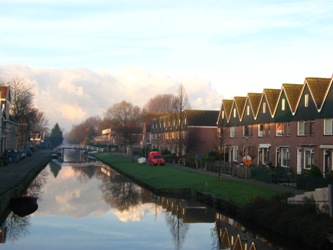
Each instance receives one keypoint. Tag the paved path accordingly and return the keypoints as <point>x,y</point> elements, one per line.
<point>16,173</point>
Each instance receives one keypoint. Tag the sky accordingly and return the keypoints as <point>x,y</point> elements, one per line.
<point>83,56</point>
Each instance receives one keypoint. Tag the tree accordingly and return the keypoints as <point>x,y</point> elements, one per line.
<point>85,132</point>
<point>126,120</point>
<point>56,137</point>
<point>180,104</point>
<point>160,104</point>
<point>21,106</point>
<point>28,117</point>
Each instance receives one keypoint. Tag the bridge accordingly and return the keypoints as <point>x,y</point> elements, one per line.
<point>78,146</point>
<point>76,164</point>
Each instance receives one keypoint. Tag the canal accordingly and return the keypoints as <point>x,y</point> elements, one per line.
<point>94,207</point>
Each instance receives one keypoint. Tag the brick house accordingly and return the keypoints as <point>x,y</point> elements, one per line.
<point>289,127</point>
<point>8,129</point>
<point>196,134</point>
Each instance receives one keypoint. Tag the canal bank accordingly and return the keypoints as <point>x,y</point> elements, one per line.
<point>239,197</point>
<point>16,177</point>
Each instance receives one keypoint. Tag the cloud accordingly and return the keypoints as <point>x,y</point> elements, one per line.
<point>68,96</point>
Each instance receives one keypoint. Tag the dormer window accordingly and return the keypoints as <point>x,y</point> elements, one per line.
<point>234,112</point>
<point>306,100</point>
<point>264,108</point>
<point>283,104</point>
<point>247,110</point>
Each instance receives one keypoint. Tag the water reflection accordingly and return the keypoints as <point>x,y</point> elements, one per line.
<point>96,207</point>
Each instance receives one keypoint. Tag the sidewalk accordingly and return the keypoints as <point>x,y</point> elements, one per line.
<point>15,174</point>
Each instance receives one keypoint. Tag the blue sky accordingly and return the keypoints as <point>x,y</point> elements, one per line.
<point>227,47</point>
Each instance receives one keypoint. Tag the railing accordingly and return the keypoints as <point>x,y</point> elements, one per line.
<point>78,146</point>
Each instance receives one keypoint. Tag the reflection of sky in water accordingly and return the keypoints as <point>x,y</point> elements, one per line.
<point>72,214</point>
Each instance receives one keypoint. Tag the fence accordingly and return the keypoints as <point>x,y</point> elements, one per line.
<point>309,183</point>
<point>273,175</point>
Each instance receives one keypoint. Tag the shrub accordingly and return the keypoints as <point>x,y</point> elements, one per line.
<point>297,221</point>
<point>314,171</point>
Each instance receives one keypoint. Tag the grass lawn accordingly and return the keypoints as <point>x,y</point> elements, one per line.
<point>167,177</point>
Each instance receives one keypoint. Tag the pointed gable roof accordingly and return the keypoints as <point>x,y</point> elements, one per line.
<point>254,99</point>
<point>272,96</point>
<point>292,92</point>
<point>226,107</point>
<point>240,104</point>
<point>318,88</point>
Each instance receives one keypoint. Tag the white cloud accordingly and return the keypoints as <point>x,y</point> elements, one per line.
<point>69,96</point>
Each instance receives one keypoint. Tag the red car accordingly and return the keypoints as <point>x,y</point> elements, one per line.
<point>155,158</point>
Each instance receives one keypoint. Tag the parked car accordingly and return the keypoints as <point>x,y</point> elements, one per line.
<point>155,158</point>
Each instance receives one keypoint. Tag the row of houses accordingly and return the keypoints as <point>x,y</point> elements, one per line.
<point>287,127</point>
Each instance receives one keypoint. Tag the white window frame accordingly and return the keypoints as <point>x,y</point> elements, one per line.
<point>285,157</point>
<point>308,158</point>
<point>235,153</point>
<point>328,126</point>
<point>261,132</point>
<point>247,110</point>
<point>301,128</point>
<point>234,112</point>
<point>232,132</point>
<point>283,104</point>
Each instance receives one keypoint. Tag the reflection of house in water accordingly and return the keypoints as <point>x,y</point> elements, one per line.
<point>232,235</point>
<point>188,211</point>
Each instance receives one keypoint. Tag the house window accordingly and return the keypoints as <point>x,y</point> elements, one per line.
<point>235,153</point>
<point>308,158</point>
<point>328,127</point>
<point>301,130</point>
<point>279,129</point>
<point>234,112</point>
<point>312,127</point>
<point>288,128</point>
<point>283,104</point>
<point>222,114</point>
<point>261,130</point>
<point>264,108</point>
<point>268,130</point>
<point>246,131</point>
<point>247,110</point>
<point>285,157</point>
<point>306,100</point>
<point>232,132</point>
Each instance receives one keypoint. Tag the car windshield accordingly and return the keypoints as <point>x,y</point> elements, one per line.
<point>157,156</point>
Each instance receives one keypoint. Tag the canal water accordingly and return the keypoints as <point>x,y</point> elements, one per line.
<point>94,207</point>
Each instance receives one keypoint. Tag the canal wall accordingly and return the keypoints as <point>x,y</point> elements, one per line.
<point>16,177</point>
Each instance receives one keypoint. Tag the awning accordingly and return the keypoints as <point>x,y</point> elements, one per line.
<point>266,145</point>
<point>326,146</point>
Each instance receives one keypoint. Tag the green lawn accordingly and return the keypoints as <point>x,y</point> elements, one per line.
<point>166,177</point>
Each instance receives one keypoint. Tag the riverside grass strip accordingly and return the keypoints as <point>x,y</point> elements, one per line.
<point>169,177</point>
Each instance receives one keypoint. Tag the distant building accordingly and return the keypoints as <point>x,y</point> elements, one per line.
<point>196,134</point>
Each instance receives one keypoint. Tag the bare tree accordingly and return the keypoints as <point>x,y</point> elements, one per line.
<point>126,120</point>
<point>180,105</point>
<point>160,104</point>
<point>85,131</point>
<point>23,110</point>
